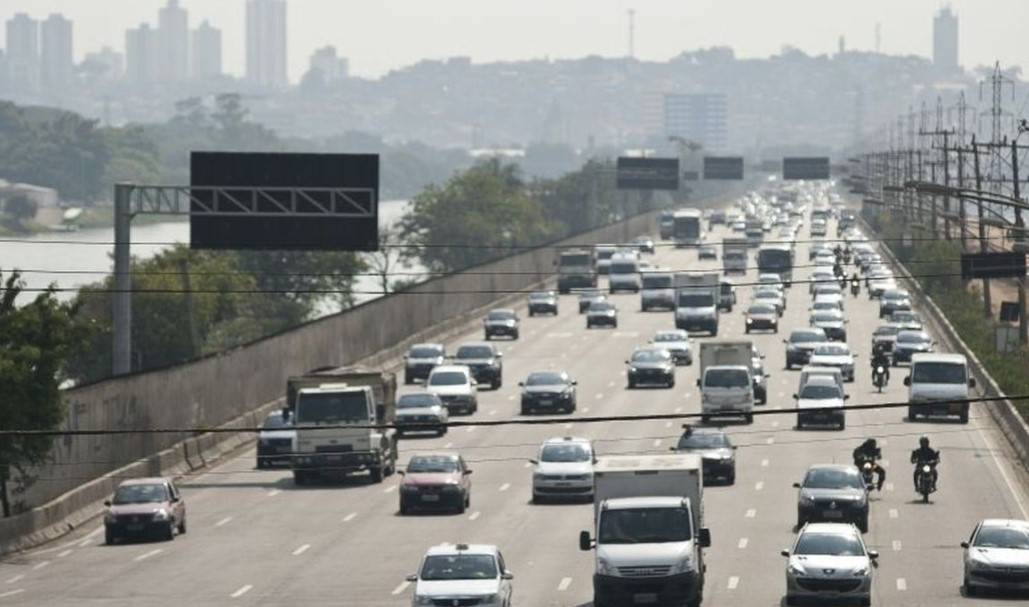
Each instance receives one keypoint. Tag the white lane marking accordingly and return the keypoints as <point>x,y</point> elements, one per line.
<point>610,384</point>
<point>559,335</point>
<point>734,581</point>
<point>527,464</point>
<point>775,424</point>
<point>85,542</point>
<point>147,555</point>
<point>390,489</point>
<point>585,409</point>
<point>751,513</point>
<point>902,584</point>
<point>505,486</point>
<point>471,428</point>
<point>600,396</point>
<point>1012,491</point>
<point>743,543</point>
<point>402,587</point>
<point>759,485</point>
<point>565,583</point>
<point>896,545</point>
<point>448,445</point>
<point>887,486</point>
<point>15,578</point>
<point>512,397</point>
<point>764,463</point>
<point>770,440</point>
<point>474,515</point>
<point>349,517</point>
<point>274,492</point>
<point>94,533</point>
<point>242,590</point>
<point>687,395</point>
<point>65,553</point>
<point>885,463</point>
<point>657,442</point>
<point>493,412</point>
<point>568,426</point>
<point>668,424</point>
<point>11,593</point>
<point>301,550</point>
<point>883,442</point>
<point>45,563</point>
<point>677,410</point>
<point>894,513</point>
<point>224,521</point>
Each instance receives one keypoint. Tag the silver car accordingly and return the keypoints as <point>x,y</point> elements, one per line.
<point>829,562</point>
<point>997,556</point>
<point>421,412</point>
<point>677,342</point>
<point>564,469</point>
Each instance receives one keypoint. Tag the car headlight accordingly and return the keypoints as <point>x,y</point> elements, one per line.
<point>423,600</point>
<point>632,369</point>
<point>685,564</point>
<point>806,499</point>
<point>263,442</point>
<point>977,564</point>
<point>160,515</point>
<point>408,488</point>
<point>489,599</point>
<point>863,572</point>
<point>750,320</point>
<point>795,569</point>
<point>539,476</point>
<point>604,568</point>
<point>110,517</point>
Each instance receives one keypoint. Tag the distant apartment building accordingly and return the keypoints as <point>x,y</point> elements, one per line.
<point>3,70</point>
<point>57,64</point>
<point>266,43</point>
<point>331,66</point>
<point>206,52</point>
<point>23,53</point>
<point>945,40</point>
<point>108,64</point>
<point>142,55</point>
<point>698,117</point>
<point>172,43</point>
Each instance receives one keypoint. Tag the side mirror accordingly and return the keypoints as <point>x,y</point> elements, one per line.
<point>698,382</point>
<point>585,543</point>
<point>401,472</point>
<point>796,485</point>
<point>412,578</point>
<point>964,544</point>
<point>846,397</point>
<point>971,382</point>
<point>907,380</point>
<point>627,362</point>
<point>107,503</point>
<point>704,537</point>
<point>767,375</point>
<point>507,575</point>
<point>500,355</point>
<point>534,462</point>
<point>575,382</point>
<point>521,384</point>
<point>784,552</point>
<point>466,472</point>
<point>873,554</point>
<point>795,396</point>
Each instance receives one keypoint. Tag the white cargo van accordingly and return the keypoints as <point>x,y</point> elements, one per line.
<point>624,272</point>
<point>938,385</point>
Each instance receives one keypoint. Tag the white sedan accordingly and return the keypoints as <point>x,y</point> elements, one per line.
<point>836,355</point>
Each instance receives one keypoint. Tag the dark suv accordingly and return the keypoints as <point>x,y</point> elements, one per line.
<point>501,322</point>
<point>484,361</point>
<point>421,359</point>
<point>800,345</point>
<point>832,492</point>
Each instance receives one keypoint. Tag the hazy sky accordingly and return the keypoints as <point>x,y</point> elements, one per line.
<point>379,35</point>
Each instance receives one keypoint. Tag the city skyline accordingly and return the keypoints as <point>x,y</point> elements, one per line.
<point>506,30</point>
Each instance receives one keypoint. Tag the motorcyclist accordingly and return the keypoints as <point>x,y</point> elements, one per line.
<point>880,358</point>
<point>869,451</point>
<point>925,455</point>
<point>855,284</point>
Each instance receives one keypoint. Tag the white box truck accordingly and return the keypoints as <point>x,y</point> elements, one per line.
<point>734,255</point>
<point>697,295</point>
<point>726,380</point>
<point>648,530</point>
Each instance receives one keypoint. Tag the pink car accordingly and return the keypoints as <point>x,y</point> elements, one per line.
<point>145,507</point>
<point>436,480</point>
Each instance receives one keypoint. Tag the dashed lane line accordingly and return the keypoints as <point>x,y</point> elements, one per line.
<point>65,553</point>
<point>668,424</point>
<point>657,442</point>
<point>274,492</point>
<point>610,384</point>
<point>894,513</point>
<point>758,486</point>
<point>770,440</point>
<point>4,595</point>
<point>677,410</point>
<point>471,428</point>
<point>475,515</point>
<point>349,517</point>
<point>734,581</point>
<point>448,445</point>
<point>16,578</point>
<point>743,543</point>
<point>493,412</point>
<point>751,513</point>
<point>902,584</point>
<point>505,487</point>
<point>224,521</point>
<point>764,463</point>
<point>390,489</point>
<point>775,423</point>
<point>147,555</point>
<point>568,426</point>
<point>565,583</point>
<point>301,549</point>
<point>585,409</point>
<point>599,396</point>
<point>887,486</point>
<point>402,587</point>
<point>896,545</point>
<point>42,564</point>
<point>242,590</point>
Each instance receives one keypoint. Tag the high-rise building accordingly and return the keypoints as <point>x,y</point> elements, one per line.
<point>23,53</point>
<point>266,43</point>
<point>57,62</point>
<point>173,43</point>
<point>142,55</point>
<point>106,65</point>
<point>3,71</point>
<point>699,117</point>
<point>945,40</point>
<point>206,52</point>
<point>331,66</point>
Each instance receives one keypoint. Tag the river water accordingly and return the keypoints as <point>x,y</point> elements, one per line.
<point>72,259</point>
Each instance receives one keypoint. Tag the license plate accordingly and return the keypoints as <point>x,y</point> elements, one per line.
<point>430,498</point>
<point>648,598</point>
<point>955,408</point>
<point>136,527</point>
<point>546,402</point>
<point>333,458</point>
<point>562,484</point>
<point>833,514</point>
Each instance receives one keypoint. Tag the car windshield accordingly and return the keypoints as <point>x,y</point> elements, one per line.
<point>886,330</point>
<point>826,318</point>
<point>938,373</point>
<point>433,463</point>
<point>650,356</point>
<point>459,567</point>
<point>425,352</point>
<point>761,310</point>
<point>827,290</point>
<point>828,544</point>
<point>1002,537</point>
<point>766,294</point>
<point>820,392</point>
<point>540,296</point>
<point>588,294</point>
<point>331,408</point>
<point>826,305</point>
<point>912,337</point>
<point>726,378</point>
<point>807,337</point>
<point>140,494</point>
<point>703,440</point>
<point>670,336</point>
<point>660,281</point>
<point>832,350</point>
<point>276,421</point>
<point>832,478</point>
<point>447,378</point>
<point>601,306</point>
<point>565,453</point>
<point>696,300</point>
<point>644,526</point>
<point>501,315</point>
<point>624,268</point>
<point>470,352</point>
<point>545,379</point>
<point>895,295</point>
<point>412,401</point>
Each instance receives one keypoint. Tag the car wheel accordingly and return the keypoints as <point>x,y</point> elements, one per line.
<point>525,410</point>
<point>970,590</point>
<point>731,478</point>
<point>462,506</point>
<point>408,379</point>
<point>747,331</point>
<point>632,383</point>
<point>375,473</point>
<point>963,418</point>
<point>487,337</point>
<point>109,537</point>
<point>589,325</point>
<point>169,532</point>
<point>862,523</point>
<point>182,526</point>
<point>749,418</point>
<point>514,335</point>
<point>614,325</point>
<point>843,424</point>
<point>671,383</point>
<point>705,419</point>
<point>497,383</point>
<point>531,313</point>
<point>299,477</point>
<point>442,431</point>
<point>912,416</point>
<point>404,508</point>
<point>261,464</point>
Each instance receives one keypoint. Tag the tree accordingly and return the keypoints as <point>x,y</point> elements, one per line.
<point>35,343</point>
<point>387,259</point>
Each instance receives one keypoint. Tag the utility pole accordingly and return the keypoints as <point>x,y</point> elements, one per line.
<point>1023,325</point>
<point>121,299</point>
<point>987,299</point>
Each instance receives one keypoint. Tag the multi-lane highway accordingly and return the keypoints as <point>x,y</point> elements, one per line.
<point>256,539</point>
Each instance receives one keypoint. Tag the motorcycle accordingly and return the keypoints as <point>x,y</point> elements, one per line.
<point>879,377</point>
<point>925,482</point>
<point>855,288</point>
<point>868,475</point>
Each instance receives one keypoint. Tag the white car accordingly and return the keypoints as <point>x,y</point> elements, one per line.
<point>678,343</point>
<point>997,556</point>
<point>769,278</point>
<point>563,469</point>
<point>421,412</point>
<point>820,401</point>
<point>771,296</point>
<point>455,386</point>
<point>825,259</point>
<point>820,277</point>
<point>836,355</point>
<point>826,305</point>
<point>462,574</point>
<point>836,298</point>
<point>829,562</point>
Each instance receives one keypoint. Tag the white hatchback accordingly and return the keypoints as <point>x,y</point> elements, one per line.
<point>829,562</point>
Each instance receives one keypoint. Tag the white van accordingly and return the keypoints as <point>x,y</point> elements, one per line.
<point>942,379</point>
<point>624,272</point>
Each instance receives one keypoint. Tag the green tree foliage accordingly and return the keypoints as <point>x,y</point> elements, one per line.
<point>301,280</point>
<point>478,215</point>
<point>134,157</point>
<point>35,342</point>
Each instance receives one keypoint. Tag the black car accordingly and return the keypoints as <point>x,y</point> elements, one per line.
<point>484,361</point>
<point>501,322</point>
<point>707,251</point>
<point>587,297</point>
<point>542,302</point>
<point>762,316</point>
<point>908,343</point>
<point>833,492</point>
<point>893,300</point>
<point>801,343</point>
<point>643,244</point>
<point>421,359</point>
<point>548,390</point>
<point>715,449</point>
<point>602,313</point>
<point>652,366</point>
<point>275,441</point>
<point>885,336</point>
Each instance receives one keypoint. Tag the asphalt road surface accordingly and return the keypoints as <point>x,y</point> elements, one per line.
<point>256,539</point>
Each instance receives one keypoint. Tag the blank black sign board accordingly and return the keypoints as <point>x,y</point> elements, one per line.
<point>723,167</point>
<point>348,183</point>
<point>1009,311</point>
<point>647,173</point>
<point>816,167</point>
<point>992,265</point>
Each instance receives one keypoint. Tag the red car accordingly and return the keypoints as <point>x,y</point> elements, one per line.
<point>144,507</point>
<point>436,480</point>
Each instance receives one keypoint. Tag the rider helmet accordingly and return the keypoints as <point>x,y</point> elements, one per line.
<point>923,441</point>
